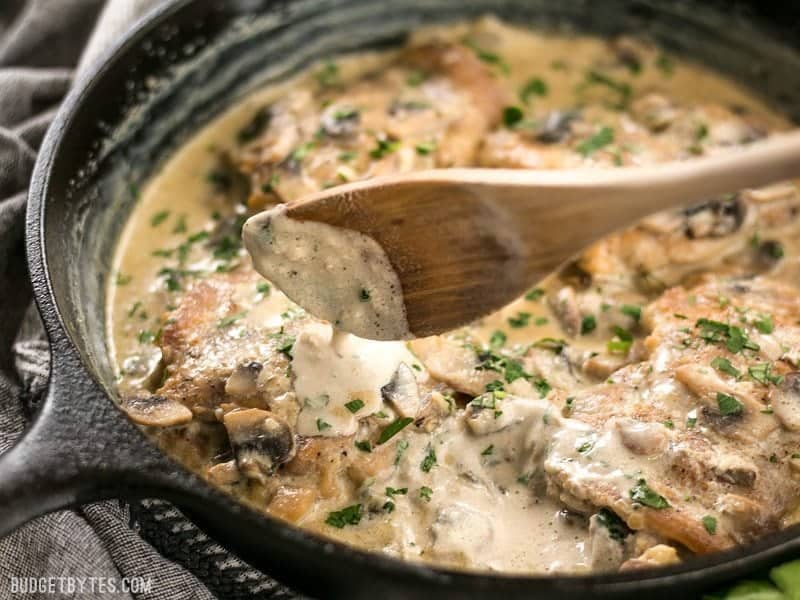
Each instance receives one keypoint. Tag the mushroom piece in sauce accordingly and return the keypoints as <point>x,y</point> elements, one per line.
<point>261,442</point>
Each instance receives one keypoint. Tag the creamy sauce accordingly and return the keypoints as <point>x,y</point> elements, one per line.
<point>331,373</point>
<point>339,275</point>
<point>465,481</point>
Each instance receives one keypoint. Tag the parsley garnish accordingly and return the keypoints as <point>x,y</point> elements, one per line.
<point>488,450</point>
<point>429,461</point>
<point>364,295</point>
<point>521,319</point>
<point>724,365</point>
<point>425,148</point>
<point>764,324</point>
<point>322,424</point>
<point>488,57</point>
<point>588,324</point>
<point>728,405</point>
<point>761,373</point>
<point>121,279</point>
<point>641,493</point>
<point>716,332</point>
<point>497,340</point>
<point>231,319</point>
<point>384,147</point>
<point>354,405</point>
<point>535,294</point>
<point>634,312</point>
<point>158,218</point>
<point>622,341</point>
<point>347,516</point>
<point>533,87</point>
<point>599,140</point>
<point>393,429</point>
<point>512,115</point>
<point>328,75</point>
<point>262,287</point>
<point>363,445</point>
<point>617,529</point>
<point>402,446</point>
<point>425,493</point>
<point>392,492</point>
<point>710,523</point>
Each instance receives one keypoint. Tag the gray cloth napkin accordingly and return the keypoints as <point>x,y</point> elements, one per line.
<point>80,553</point>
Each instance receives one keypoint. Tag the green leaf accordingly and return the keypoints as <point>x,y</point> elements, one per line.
<point>724,366</point>
<point>429,461</point>
<point>641,493</point>
<point>158,218</point>
<point>393,429</point>
<point>231,319</point>
<point>764,323</point>
<point>634,312</point>
<point>350,515</point>
<point>599,140</point>
<point>512,115</point>
<point>533,87</point>
<point>354,405</point>
<point>425,493</point>
<point>497,339</point>
<point>728,405</point>
<point>534,294</point>
<point>521,319</point>
<point>710,523</point>
<point>617,528</point>
<point>588,324</point>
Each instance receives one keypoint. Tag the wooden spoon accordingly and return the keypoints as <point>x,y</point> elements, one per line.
<point>465,242</point>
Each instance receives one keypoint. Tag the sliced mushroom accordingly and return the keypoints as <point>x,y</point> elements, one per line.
<point>655,111</point>
<point>714,218</point>
<point>565,307</point>
<point>261,442</point>
<point>243,381</point>
<point>607,533</point>
<point>146,368</point>
<point>155,411</point>
<point>735,469</point>
<point>556,126</point>
<point>785,401</point>
<point>402,392</point>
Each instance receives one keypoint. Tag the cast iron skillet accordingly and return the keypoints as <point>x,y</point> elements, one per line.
<point>179,67</point>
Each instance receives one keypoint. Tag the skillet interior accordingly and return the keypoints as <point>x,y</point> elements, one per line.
<point>212,52</point>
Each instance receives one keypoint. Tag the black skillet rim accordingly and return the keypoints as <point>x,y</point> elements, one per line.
<point>695,573</point>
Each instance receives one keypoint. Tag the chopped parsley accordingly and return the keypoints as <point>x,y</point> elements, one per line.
<point>724,366</point>
<point>764,324</point>
<point>388,506</point>
<point>262,287</point>
<point>535,294</point>
<point>599,140</point>
<point>710,523</point>
<point>180,225</point>
<point>552,344</point>
<point>665,65</point>
<point>158,218</point>
<point>617,529</point>
<point>585,447</point>
<point>392,492</point>
<point>231,319</point>
<point>588,324</point>
<point>363,445</point>
<point>497,339</point>
<point>425,493</point>
<point>302,151</point>
<point>347,516</point>
<point>429,461</point>
<point>347,156</point>
<point>146,336</point>
<point>728,405</point>
<point>512,115</point>
<point>121,279</point>
<point>634,312</point>
<point>488,450</point>
<point>622,341</point>
<point>322,424</point>
<point>488,57</point>
<point>384,146</point>
<point>354,405</point>
<point>762,374</point>
<point>425,148</point>
<point>402,446</point>
<point>716,332</point>
<point>624,90</point>
<point>393,429</point>
<point>521,319</point>
<point>541,386</point>
<point>533,87</point>
<point>364,295</point>
<point>641,493</point>
<point>669,424</point>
